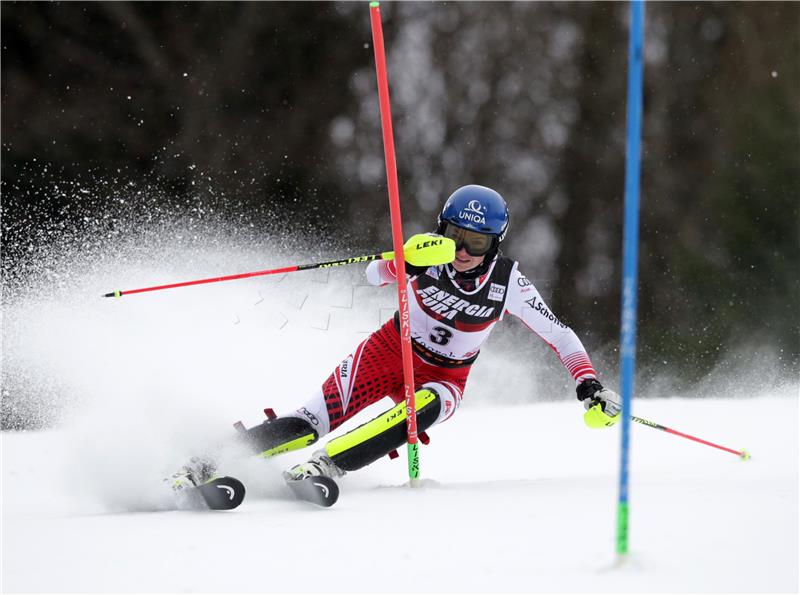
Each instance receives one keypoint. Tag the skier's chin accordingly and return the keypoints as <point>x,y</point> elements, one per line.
<point>467,264</point>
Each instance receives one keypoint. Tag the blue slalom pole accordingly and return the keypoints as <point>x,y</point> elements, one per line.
<point>630,258</point>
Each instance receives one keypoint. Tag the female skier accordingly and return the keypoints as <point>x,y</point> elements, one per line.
<point>453,309</point>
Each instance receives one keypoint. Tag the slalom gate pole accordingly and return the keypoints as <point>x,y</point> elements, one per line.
<point>289,269</point>
<point>397,237</point>
<point>630,259</point>
<point>742,454</point>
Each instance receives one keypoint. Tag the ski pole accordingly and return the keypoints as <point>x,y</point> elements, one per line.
<point>742,454</point>
<point>420,249</point>
<point>289,269</point>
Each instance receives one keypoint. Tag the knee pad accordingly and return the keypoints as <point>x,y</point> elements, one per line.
<point>277,436</point>
<point>387,432</point>
<point>450,396</point>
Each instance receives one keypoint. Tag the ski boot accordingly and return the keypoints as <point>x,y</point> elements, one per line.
<point>319,465</point>
<point>196,472</point>
<point>313,481</point>
<point>197,486</point>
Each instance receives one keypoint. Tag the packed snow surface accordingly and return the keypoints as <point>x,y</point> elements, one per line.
<point>515,499</point>
<point>517,496</point>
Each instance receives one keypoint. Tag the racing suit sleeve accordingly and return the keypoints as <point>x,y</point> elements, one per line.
<point>525,302</point>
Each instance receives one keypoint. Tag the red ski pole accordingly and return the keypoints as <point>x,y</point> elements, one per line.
<point>742,454</point>
<point>420,250</point>
<point>289,269</point>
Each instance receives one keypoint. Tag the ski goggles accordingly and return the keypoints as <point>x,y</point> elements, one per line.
<point>475,243</point>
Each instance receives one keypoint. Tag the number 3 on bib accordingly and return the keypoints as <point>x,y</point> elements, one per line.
<point>440,335</point>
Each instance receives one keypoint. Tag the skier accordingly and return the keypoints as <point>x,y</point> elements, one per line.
<point>453,309</point>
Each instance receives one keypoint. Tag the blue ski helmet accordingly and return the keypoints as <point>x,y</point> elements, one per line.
<point>476,208</point>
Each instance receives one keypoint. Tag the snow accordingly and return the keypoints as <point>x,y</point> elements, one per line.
<point>530,510</point>
<point>517,496</point>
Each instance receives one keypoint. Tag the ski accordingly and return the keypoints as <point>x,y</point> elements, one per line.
<point>220,493</point>
<point>319,490</point>
<point>226,493</point>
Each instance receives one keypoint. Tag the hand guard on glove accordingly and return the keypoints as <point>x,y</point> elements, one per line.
<point>428,250</point>
<point>602,405</point>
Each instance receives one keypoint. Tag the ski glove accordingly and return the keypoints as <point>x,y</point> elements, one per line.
<point>602,405</point>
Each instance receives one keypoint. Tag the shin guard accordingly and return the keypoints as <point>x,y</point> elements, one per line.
<point>280,435</point>
<point>387,432</point>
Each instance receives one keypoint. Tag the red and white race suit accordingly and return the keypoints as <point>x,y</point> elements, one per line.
<point>448,326</point>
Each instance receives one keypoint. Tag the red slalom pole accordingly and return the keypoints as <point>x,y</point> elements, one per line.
<point>397,237</point>
<point>742,454</point>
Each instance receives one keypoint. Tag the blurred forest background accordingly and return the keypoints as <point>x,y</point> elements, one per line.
<point>247,106</point>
